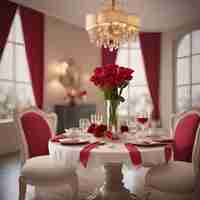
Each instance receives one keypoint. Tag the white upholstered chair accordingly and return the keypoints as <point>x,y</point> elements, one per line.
<point>176,180</point>
<point>35,128</point>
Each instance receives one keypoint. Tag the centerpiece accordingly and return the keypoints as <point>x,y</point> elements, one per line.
<point>112,79</point>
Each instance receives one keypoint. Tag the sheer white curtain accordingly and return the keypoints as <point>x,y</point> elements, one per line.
<point>137,93</point>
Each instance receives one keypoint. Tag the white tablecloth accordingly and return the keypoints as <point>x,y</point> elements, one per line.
<point>108,153</point>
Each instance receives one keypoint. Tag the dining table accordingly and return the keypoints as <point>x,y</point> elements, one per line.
<point>112,154</point>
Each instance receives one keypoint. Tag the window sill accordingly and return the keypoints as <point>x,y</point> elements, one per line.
<point>8,120</point>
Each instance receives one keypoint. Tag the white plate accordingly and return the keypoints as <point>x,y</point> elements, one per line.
<point>74,141</point>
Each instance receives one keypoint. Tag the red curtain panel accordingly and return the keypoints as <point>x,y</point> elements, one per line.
<point>33,28</point>
<point>7,13</point>
<point>108,57</point>
<point>151,46</point>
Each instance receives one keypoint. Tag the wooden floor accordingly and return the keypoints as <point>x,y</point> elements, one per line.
<point>9,172</point>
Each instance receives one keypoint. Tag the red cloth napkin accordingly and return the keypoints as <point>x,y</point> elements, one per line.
<point>85,153</point>
<point>134,153</point>
<point>109,135</point>
<point>56,138</point>
<point>168,152</point>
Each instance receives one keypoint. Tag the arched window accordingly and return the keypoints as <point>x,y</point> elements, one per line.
<point>15,82</point>
<point>188,71</point>
<point>137,93</point>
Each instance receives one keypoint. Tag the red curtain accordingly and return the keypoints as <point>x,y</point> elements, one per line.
<point>7,13</point>
<point>108,57</point>
<point>33,28</point>
<point>150,45</point>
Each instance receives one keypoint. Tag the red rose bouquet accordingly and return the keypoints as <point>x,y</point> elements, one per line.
<point>112,79</point>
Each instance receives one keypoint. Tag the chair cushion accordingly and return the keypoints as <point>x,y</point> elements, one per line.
<point>43,170</point>
<point>184,137</point>
<point>37,133</point>
<point>174,177</point>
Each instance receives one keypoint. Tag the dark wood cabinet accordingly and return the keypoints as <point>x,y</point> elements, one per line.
<point>68,116</point>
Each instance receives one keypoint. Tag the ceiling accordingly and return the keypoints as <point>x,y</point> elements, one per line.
<point>155,15</point>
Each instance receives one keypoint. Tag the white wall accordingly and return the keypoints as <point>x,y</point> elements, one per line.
<point>169,42</point>
<point>62,41</point>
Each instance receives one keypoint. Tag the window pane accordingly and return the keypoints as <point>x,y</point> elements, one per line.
<point>196,42</point>
<point>136,62</point>
<point>139,99</point>
<point>196,69</point>
<point>6,66</point>
<point>7,96</point>
<point>11,37</point>
<point>184,46</point>
<point>131,44</point>
<point>28,93</point>
<point>196,95</point>
<point>24,95</point>
<point>20,93</point>
<point>183,71</point>
<point>22,70</point>
<point>18,29</point>
<point>122,57</point>
<point>183,98</point>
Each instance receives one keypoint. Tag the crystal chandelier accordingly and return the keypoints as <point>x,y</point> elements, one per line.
<point>111,26</point>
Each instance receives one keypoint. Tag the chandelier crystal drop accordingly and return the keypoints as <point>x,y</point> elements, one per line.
<point>111,26</point>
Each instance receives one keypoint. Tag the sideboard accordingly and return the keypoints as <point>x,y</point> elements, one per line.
<point>68,116</point>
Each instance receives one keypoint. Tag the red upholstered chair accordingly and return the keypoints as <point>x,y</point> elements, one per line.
<point>38,168</point>
<point>176,179</point>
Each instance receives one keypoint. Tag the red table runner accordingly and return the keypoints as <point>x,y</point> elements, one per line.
<point>85,153</point>
<point>134,153</point>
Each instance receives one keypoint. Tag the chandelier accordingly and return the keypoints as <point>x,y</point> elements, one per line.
<point>111,26</point>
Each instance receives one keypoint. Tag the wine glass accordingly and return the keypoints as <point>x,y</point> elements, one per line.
<point>142,119</point>
<point>96,118</point>
<point>84,124</point>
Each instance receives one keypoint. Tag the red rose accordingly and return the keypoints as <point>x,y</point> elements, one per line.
<point>124,128</point>
<point>92,128</point>
<point>100,130</point>
<point>111,76</point>
<point>83,93</point>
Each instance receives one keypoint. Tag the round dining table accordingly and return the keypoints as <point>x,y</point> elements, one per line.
<point>112,155</point>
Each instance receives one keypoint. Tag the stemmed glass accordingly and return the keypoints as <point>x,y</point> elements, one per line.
<point>142,119</point>
<point>96,118</point>
<point>84,123</point>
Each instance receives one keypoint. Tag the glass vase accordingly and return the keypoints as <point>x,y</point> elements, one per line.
<point>112,116</point>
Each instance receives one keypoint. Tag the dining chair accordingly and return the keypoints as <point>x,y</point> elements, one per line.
<point>176,180</point>
<point>35,128</point>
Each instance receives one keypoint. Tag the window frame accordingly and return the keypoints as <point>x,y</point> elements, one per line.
<point>184,85</point>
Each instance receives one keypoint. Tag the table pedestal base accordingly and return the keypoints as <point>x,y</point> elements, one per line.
<point>113,188</point>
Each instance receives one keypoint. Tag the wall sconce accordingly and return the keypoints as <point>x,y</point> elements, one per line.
<point>62,68</point>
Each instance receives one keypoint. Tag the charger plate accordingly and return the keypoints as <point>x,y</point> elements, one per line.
<point>74,141</point>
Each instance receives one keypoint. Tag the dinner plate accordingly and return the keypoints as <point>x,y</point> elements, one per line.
<point>149,144</point>
<point>74,141</point>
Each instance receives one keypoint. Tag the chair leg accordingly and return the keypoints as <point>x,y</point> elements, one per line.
<point>74,187</point>
<point>22,188</point>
